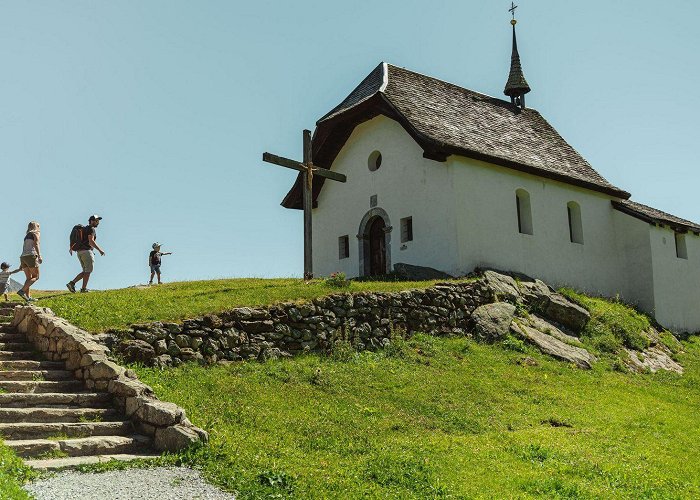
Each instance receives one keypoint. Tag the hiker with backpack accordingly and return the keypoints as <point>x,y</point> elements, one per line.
<point>30,259</point>
<point>82,241</point>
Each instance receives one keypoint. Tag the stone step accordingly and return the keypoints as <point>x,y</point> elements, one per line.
<point>27,364</point>
<point>6,318</point>
<point>41,386</point>
<point>56,415</point>
<point>36,375</point>
<point>11,355</point>
<point>55,464</point>
<point>6,310</point>
<point>7,328</point>
<point>67,429</point>
<point>55,400</point>
<point>13,337</point>
<point>78,447</point>
<point>15,346</point>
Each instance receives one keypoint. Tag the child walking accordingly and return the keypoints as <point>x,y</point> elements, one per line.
<point>5,279</point>
<point>154,259</point>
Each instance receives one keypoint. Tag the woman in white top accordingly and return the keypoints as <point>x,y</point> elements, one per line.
<point>30,259</point>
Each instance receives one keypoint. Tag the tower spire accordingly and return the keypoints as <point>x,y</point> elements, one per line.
<point>517,86</point>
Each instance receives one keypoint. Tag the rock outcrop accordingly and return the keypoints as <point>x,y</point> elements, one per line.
<point>551,345</point>
<point>492,321</point>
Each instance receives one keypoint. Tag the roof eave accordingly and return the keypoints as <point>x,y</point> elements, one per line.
<point>680,228</point>
<point>529,169</point>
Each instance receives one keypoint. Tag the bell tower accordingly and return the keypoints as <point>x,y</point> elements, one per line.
<point>517,86</point>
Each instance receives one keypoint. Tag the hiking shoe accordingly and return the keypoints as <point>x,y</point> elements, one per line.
<point>70,286</point>
<point>84,290</point>
<point>31,299</point>
<point>23,295</point>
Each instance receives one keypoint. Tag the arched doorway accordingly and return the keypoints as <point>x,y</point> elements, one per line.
<point>377,247</point>
<point>374,238</point>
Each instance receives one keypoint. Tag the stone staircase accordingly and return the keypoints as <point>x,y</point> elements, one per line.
<point>49,419</point>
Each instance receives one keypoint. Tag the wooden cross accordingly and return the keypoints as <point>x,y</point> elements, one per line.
<point>512,8</point>
<point>308,170</point>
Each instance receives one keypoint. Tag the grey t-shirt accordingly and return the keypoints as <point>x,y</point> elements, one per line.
<point>29,248</point>
<point>4,277</point>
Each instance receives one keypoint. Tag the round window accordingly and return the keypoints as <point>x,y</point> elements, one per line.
<point>374,161</point>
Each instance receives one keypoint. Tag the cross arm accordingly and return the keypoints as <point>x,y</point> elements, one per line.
<point>283,162</point>
<point>295,165</point>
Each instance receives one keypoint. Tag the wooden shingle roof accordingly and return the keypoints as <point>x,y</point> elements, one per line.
<point>654,216</point>
<point>446,119</point>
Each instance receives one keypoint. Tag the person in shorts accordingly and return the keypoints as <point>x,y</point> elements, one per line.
<point>84,248</point>
<point>5,279</point>
<point>154,260</point>
<point>30,259</point>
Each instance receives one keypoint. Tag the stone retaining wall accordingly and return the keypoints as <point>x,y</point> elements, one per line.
<point>58,340</point>
<point>245,333</point>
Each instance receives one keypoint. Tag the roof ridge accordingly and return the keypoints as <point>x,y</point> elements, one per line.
<point>456,86</point>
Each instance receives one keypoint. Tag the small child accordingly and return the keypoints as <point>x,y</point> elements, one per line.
<point>154,261</point>
<point>5,279</point>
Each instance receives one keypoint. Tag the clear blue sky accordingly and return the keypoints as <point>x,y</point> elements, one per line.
<point>154,114</point>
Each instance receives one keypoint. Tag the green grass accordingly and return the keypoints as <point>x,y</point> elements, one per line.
<point>100,311</point>
<point>441,418</point>
<point>612,325</point>
<point>13,474</point>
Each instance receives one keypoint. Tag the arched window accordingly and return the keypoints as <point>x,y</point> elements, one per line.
<point>681,248</point>
<point>522,203</point>
<point>575,224</point>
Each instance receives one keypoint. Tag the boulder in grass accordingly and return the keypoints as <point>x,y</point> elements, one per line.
<point>553,346</point>
<point>492,321</point>
<point>501,287</point>
<point>561,310</point>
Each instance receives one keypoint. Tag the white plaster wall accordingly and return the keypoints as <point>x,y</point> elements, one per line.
<point>676,281</point>
<point>634,248</point>
<point>488,228</point>
<point>406,185</point>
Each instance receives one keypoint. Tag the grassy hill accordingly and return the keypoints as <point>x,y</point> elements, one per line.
<point>442,418</point>
<point>425,418</point>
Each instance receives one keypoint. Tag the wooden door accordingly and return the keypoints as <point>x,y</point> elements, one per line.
<point>377,247</point>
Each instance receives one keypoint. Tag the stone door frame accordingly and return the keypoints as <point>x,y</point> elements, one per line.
<point>363,240</point>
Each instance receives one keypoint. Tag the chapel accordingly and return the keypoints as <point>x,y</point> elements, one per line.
<point>442,177</point>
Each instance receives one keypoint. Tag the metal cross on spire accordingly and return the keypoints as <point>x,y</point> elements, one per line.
<point>512,9</point>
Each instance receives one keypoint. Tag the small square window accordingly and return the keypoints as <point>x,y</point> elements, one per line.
<point>343,247</point>
<point>406,229</point>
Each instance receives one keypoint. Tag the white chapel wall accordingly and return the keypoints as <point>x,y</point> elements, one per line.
<point>634,247</point>
<point>488,228</point>
<point>406,185</point>
<point>676,280</point>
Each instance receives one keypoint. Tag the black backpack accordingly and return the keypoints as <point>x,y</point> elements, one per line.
<point>76,236</point>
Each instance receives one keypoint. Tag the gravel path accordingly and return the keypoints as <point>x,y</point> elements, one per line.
<point>162,483</point>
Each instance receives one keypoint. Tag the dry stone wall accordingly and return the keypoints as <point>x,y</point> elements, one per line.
<point>489,309</point>
<point>58,340</point>
<point>288,329</point>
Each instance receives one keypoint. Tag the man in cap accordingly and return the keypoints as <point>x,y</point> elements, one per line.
<point>82,241</point>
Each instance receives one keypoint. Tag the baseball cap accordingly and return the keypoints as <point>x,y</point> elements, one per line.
<point>156,244</point>
<point>95,217</point>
